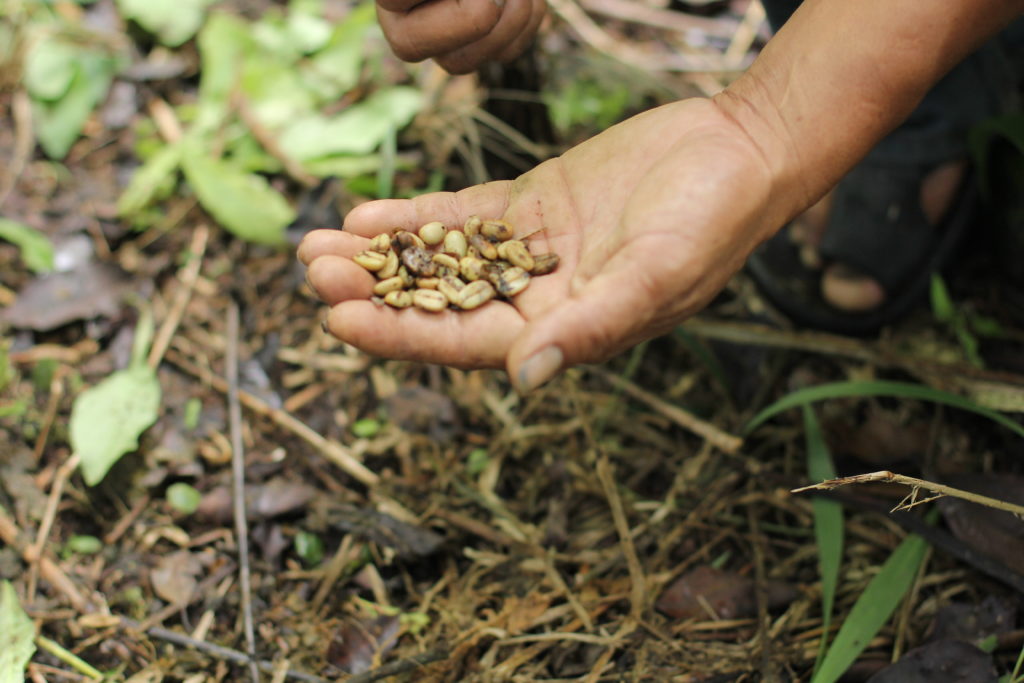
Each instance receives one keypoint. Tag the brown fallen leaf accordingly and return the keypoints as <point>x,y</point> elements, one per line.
<point>942,660</point>
<point>91,291</point>
<point>174,577</point>
<point>709,593</point>
<point>995,533</point>
<point>423,411</point>
<point>275,497</point>
<point>358,643</point>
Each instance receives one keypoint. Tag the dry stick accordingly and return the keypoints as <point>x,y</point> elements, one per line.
<point>754,334</point>
<point>238,487</point>
<point>35,551</point>
<point>188,276</point>
<point>721,439</point>
<point>10,534</point>
<point>56,393</point>
<point>219,651</point>
<point>24,142</point>
<point>638,590</point>
<point>916,484</point>
<point>332,450</point>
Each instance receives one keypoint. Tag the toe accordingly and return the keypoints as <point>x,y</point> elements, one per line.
<point>850,290</point>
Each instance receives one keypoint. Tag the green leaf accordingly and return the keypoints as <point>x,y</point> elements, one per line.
<point>334,70</point>
<point>84,545</point>
<point>477,461</point>
<point>244,203</point>
<point>150,180</point>
<point>183,497</point>
<point>873,608</point>
<point>367,428</point>
<point>107,420</point>
<point>50,66</point>
<point>58,124</point>
<point>828,523</point>
<point>36,248</point>
<point>309,547</point>
<point>942,305</point>
<point>877,388</point>
<point>223,42</point>
<point>360,129</point>
<point>18,634</point>
<point>171,21</point>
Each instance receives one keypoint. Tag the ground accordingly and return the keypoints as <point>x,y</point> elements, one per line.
<point>620,523</point>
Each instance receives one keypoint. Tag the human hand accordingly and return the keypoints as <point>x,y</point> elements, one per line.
<point>459,34</point>
<point>650,218</point>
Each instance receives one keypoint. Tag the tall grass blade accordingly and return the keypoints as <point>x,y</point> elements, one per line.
<point>877,388</point>
<point>873,608</point>
<point>828,524</point>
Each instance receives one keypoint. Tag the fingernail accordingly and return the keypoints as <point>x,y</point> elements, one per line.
<point>538,369</point>
<point>309,283</point>
<point>324,327</point>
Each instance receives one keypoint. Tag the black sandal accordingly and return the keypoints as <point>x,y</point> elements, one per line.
<point>876,226</point>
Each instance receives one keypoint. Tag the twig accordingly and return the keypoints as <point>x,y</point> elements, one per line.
<point>54,575</point>
<point>24,141</point>
<point>715,436</point>
<point>916,484</point>
<point>937,538</point>
<point>267,140</point>
<point>56,393</point>
<point>638,590</point>
<point>400,666</point>
<point>219,651</point>
<point>34,552</point>
<point>71,659</point>
<point>238,487</point>
<point>332,450</point>
<point>186,284</point>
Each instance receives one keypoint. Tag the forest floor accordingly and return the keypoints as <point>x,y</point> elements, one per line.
<point>429,524</point>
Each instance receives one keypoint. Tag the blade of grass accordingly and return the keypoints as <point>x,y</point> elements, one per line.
<point>828,524</point>
<point>874,607</point>
<point>877,388</point>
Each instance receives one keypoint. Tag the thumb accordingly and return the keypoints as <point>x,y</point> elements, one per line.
<point>609,313</point>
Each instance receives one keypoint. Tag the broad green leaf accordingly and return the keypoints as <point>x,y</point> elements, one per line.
<point>275,92</point>
<point>223,43</point>
<point>18,634</point>
<point>345,166</point>
<point>150,181</point>
<point>58,124</point>
<point>50,66</point>
<point>107,420</point>
<point>309,32</point>
<point>828,523</point>
<point>872,609</point>
<point>171,21</point>
<point>334,70</point>
<point>360,129</point>
<point>877,388</point>
<point>36,248</point>
<point>244,203</point>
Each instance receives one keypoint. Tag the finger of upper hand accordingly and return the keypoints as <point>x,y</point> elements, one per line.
<point>337,279</point>
<point>516,18</point>
<point>436,28</point>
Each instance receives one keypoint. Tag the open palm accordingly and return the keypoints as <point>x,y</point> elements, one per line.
<point>649,218</point>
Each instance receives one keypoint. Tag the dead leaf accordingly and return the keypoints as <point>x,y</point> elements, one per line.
<point>91,291</point>
<point>276,497</point>
<point>420,410</point>
<point>359,642</point>
<point>174,577</point>
<point>994,533</point>
<point>974,621</point>
<point>408,540</point>
<point>707,593</point>
<point>942,660</point>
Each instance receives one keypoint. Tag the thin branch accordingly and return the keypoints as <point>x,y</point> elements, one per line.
<point>721,439</point>
<point>892,478</point>
<point>238,487</point>
<point>186,284</point>
<point>332,450</point>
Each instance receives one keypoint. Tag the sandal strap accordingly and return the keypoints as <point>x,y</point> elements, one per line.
<point>877,224</point>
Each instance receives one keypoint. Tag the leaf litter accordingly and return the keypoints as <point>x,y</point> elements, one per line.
<point>485,546</point>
